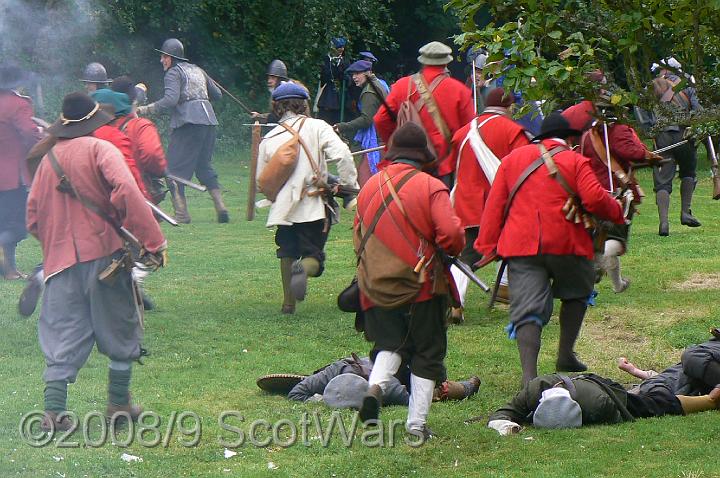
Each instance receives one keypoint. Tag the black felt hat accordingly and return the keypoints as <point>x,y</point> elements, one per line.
<point>81,115</point>
<point>410,142</point>
<point>556,126</point>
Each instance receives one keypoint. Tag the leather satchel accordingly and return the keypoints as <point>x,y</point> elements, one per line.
<point>281,165</point>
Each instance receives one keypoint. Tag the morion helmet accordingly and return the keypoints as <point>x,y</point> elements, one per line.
<point>95,73</point>
<point>278,68</point>
<point>174,48</point>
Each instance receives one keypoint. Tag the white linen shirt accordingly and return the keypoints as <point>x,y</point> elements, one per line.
<point>293,205</point>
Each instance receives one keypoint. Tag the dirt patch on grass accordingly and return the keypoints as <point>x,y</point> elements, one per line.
<point>699,281</point>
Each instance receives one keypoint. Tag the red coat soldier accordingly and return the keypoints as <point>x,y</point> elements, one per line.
<point>625,148</point>
<point>477,149</point>
<point>548,255</point>
<point>17,134</point>
<point>452,102</point>
<point>402,216</point>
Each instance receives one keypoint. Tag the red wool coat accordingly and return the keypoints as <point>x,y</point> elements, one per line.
<point>68,231</point>
<point>535,223</point>
<point>625,145</point>
<point>501,135</point>
<point>147,149</point>
<point>118,139</point>
<point>17,135</point>
<point>427,201</point>
<point>454,100</point>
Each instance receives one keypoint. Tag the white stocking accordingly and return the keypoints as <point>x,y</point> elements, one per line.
<point>421,393</point>
<point>461,281</point>
<point>386,365</point>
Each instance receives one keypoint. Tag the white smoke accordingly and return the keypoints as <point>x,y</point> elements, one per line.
<point>52,38</point>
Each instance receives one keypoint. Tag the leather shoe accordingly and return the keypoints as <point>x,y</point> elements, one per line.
<point>570,364</point>
<point>120,413</point>
<point>371,404</point>
<point>50,422</point>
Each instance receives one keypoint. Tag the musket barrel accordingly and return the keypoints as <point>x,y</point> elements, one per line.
<point>185,182</point>
<point>162,214</point>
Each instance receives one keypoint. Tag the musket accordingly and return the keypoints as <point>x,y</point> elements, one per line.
<point>714,168</point>
<point>185,182</point>
<point>464,268</point>
<point>369,150</point>
<point>162,214</point>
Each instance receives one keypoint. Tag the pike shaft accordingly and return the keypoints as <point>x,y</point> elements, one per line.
<point>242,105</point>
<point>672,146</point>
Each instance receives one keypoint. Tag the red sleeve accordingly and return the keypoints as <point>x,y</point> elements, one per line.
<point>150,152</point>
<point>492,218</point>
<point>466,108</point>
<point>457,140</point>
<point>594,198</point>
<point>449,233</point>
<point>519,140</point>
<point>24,124</point>
<point>122,143</point>
<point>384,124</point>
<point>128,200</point>
<point>626,145</point>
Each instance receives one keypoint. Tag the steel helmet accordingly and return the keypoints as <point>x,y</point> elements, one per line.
<point>174,48</point>
<point>278,68</point>
<point>95,73</point>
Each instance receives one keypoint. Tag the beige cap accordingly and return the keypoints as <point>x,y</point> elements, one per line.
<point>435,53</point>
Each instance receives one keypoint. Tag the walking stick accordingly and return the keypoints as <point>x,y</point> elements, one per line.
<point>254,151</point>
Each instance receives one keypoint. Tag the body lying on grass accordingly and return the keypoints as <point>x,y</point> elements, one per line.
<point>558,401</point>
<point>322,386</point>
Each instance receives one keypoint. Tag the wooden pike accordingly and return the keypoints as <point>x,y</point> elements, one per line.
<point>252,188</point>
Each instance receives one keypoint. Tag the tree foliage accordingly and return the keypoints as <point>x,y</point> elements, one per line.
<point>553,45</point>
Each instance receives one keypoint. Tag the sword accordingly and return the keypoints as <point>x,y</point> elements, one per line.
<point>369,150</point>
<point>40,122</point>
<point>185,182</point>
<point>162,214</point>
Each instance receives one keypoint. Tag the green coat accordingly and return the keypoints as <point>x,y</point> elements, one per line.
<point>592,392</point>
<point>370,103</point>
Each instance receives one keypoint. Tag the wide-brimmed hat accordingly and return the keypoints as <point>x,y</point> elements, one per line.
<point>557,409</point>
<point>345,391</point>
<point>280,383</point>
<point>81,115</point>
<point>435,53</point>
<point>410,142</point>
<point>12,77</point>
<point>556,126</point>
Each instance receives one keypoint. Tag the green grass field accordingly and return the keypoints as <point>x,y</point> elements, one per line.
<point>217,328</point>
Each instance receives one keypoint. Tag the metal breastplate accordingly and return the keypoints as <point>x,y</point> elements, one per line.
<point>194,83</point>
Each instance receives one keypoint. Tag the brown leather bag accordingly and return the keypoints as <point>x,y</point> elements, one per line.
<point>409,111</point>
<point>281,164</point>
